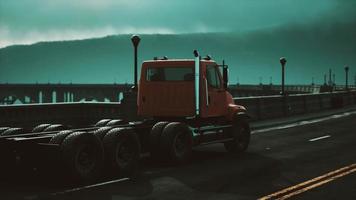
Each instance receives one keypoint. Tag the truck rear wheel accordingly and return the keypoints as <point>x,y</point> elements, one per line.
<point>102,122</point>
<point>155,138</point>
<point>122,151</point>
<point>40,128</point>
<point>115,122</point>
<point>2,129</point>
<point>59,137</point>
<point>54,127</point>
<point>82,155</point>
<point>177,142</point>
<point>101,132</point>
<point>13,131</point>
<point>240,132</point>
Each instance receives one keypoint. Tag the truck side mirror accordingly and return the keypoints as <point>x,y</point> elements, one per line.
<point>225,76</point>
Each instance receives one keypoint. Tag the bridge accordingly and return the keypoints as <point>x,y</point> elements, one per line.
<point>57,93</point>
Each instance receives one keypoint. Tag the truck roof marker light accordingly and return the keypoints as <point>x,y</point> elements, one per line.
<point>196,53</point>
<point>163,58</point>
<point>207,57</point>
<point>197,75</point>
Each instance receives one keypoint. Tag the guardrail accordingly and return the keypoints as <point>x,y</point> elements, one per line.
<point>266,107</point>
<point>76,114</point>
<point>85,113</point>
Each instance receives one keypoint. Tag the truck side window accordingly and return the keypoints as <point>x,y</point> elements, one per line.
<point>213,77</point>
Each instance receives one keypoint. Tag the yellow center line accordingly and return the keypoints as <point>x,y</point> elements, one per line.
<point>317,184</point>
<point>310,184</point>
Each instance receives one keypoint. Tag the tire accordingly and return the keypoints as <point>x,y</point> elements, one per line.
<point>155,138</point>
<point>122,151</point>
<point>177,142</point>
<point>101,132</point>
<point>115,122</point>
<point>2,129</point>
<point>13,131</point>
<point>40,128</point>
<point>82,155</point>
<point>59,137</point>
<point>102,122</point>
<point>241,133</point>
<point>54,127</point>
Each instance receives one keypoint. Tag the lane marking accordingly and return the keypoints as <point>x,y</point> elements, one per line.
<point>304,122</point>
<point>90,186</point>
<point>319,138</point>
<point>312,183</point>
<point>317,184</point>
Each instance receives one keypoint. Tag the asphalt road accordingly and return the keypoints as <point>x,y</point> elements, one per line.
<point>323,153</point>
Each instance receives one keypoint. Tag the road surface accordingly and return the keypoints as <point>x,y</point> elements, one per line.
<point>310,159</point>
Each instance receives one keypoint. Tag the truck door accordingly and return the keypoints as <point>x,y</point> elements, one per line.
<point>216,92</point>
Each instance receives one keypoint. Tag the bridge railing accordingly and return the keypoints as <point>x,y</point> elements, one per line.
<point>267,107</point>
<point>76,114</point>
<point>83,114</point>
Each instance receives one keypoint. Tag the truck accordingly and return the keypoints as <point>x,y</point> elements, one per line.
<point>182,104</point>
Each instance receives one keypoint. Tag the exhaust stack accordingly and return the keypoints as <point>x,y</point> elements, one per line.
<point>197,75</point>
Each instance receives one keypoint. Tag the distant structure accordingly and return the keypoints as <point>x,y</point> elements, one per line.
<point>56,93</point>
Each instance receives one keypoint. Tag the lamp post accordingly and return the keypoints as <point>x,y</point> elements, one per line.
<point>333,83</point>
<point>283,62</point>
<point>347,77</point>
<point>135,41</point>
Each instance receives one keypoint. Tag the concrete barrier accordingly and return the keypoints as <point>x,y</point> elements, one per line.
<point>76,114</point>
<point>270,107</point>
<point>83,114</point>
<point>267,107</point>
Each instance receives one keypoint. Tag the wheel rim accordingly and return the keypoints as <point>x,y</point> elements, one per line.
<point>242,138</point>
<point>124,153</point>
<point>85,159</point>
<point>180,144</point>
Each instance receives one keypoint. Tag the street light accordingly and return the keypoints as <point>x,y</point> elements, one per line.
<point>283,62</point>
<point>135,41</point>
<point>347,77</point>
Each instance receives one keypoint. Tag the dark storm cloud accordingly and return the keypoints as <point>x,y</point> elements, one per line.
<point>35,20</point>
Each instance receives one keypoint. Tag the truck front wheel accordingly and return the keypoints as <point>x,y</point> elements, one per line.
<point>240,132</point>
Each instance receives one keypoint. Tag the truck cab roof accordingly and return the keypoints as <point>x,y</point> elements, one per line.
<point>178,62</point>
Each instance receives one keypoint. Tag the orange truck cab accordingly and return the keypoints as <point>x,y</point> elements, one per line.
<point>168,89</point>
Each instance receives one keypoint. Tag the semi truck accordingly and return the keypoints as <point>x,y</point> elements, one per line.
<point>182,104</point>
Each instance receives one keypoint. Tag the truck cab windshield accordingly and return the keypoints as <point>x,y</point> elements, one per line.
<point>170,74</point>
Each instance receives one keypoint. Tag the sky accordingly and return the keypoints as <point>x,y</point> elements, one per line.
<point>30,21</point>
